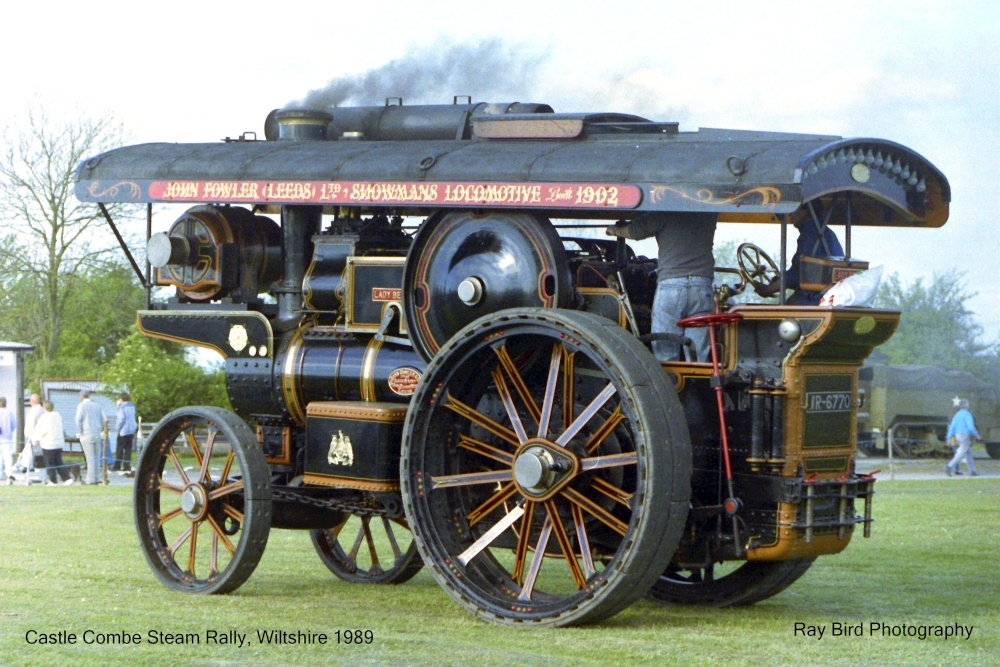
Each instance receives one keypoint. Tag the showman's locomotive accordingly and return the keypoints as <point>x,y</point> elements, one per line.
<point>429,366</point>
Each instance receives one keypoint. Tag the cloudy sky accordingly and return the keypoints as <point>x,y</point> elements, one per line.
<point>924,74</point>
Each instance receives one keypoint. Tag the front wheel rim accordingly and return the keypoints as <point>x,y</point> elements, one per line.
<point>201,502</point>
<point>540,508</point>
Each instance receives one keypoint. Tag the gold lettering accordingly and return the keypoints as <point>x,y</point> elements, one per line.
<point>248,191</point>
<point>217,190</point>
<point>181,190</point>
<point>291,190</point>
<point>427,192</point>
<point>330,191</point>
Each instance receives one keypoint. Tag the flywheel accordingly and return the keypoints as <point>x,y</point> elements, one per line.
<point>464,265</point>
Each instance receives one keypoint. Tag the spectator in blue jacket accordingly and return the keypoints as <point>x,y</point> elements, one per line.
<point>7,427</point>
<point>127,426</point>
<point>963,429</point>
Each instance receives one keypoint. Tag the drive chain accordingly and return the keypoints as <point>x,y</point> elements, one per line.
<point>367,507</point>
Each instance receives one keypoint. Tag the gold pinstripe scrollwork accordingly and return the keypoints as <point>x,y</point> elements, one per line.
<point>768,195</point>
<point>307,291</point>
<point>228,316</point>
<point>132,190</point>
<point>178,339</point>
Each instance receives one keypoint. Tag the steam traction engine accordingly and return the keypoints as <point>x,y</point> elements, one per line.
<point>426,369</point>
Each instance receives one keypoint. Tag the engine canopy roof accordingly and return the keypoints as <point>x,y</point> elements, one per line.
<point>567,165</point>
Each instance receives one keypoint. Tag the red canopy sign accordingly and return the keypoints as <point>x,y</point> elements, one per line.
<point>348,193</point>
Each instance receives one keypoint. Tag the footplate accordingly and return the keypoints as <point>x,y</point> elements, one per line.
<point>816,517</point>
<point>829,504</point>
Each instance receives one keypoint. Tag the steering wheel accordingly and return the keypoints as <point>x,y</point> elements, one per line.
<point>757,268</point>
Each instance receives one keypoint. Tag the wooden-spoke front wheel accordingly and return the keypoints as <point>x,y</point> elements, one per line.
<point>545,467</point>
<point>730,584</point>
<point>202,500</point>
<point>369,550</point>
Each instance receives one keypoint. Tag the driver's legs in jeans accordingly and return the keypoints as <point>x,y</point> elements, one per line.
<point>677,298</point>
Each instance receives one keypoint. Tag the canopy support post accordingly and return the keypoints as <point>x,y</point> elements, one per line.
<point>149,235</point>
<point>121,242</point>
<point>847,224</point>
<point>784,259</point>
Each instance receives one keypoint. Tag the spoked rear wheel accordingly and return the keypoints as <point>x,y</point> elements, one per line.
<point>369,550</point>
<point>202,500</point>
<point>728,584</point>
<point>545,467</point>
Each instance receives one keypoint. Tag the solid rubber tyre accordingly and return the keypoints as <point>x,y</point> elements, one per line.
<point>751,582</point>
<point>201,533</point>
<point>600,554</point>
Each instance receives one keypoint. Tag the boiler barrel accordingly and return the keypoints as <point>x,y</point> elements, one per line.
<point>313,365</point>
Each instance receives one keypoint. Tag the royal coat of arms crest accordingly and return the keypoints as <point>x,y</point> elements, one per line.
<point>341,452</point>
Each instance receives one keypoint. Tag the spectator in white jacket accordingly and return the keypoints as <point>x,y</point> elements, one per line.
<point>27,459</point>
<point>49,432</point>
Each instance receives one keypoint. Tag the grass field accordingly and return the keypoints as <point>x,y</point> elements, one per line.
<point>70,561</point>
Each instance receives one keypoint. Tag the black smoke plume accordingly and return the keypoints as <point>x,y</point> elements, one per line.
<point>436,73</point>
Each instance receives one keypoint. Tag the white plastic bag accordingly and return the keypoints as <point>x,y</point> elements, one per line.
<point>856,290</point>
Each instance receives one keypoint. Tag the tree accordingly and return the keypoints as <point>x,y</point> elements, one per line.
<point>160,379</point>
<point>57,240</point>
<point>101,313</point>
<point>936,327</point>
